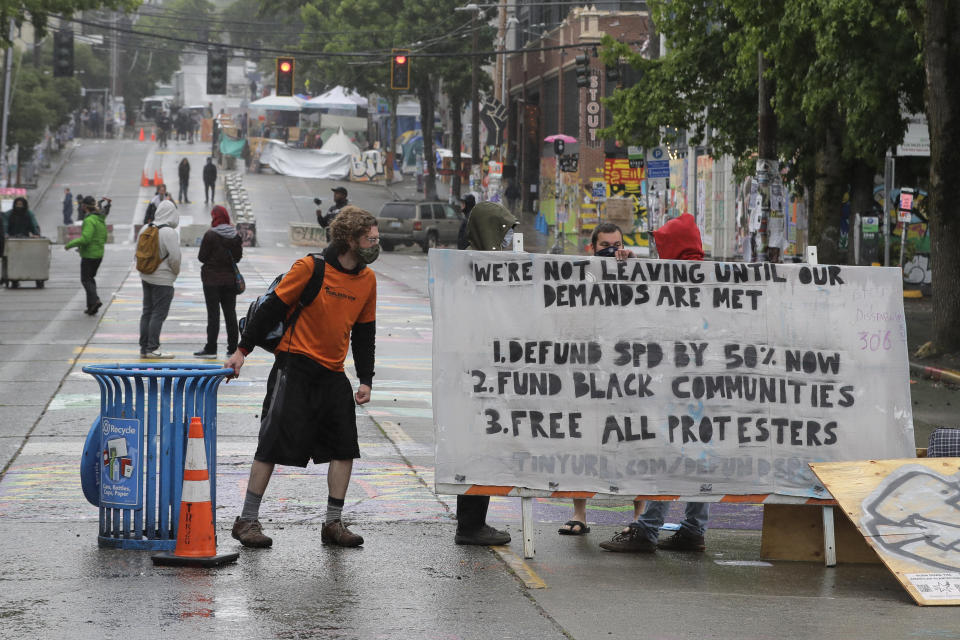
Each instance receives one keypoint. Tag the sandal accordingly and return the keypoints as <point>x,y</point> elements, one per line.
<point>572,531</point>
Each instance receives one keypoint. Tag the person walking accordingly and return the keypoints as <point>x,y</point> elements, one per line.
<point>93,236</point>
<point>158,285</point>
<point>209,180</point>
<point>678,239</point>
<point>220,249</point>
<point>489,228</point>
<point>67,207</point>
<point>183,172</point>
<point>309,409</point>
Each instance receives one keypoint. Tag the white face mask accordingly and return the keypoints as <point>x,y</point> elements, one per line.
<point>507,240</point>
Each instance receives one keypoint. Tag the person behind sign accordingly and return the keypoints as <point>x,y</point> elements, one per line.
<point>489,228</point>
<point>606,241</point>
<point>678,239</point>
<point>310,413</point>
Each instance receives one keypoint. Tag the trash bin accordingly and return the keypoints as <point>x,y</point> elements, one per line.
<point>145,413</point>
<point>26,259</point>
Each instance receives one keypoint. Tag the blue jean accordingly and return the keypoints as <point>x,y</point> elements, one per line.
<point>156,305</point>
<point>694,521</point>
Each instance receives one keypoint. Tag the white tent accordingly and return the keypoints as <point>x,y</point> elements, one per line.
<point>337,98</point>
<point>278,103</point>
<point>340,143</point>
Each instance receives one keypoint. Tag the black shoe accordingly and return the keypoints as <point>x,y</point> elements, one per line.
<point>203,353</point>
<point>631,540</point>
<point>485,536</point>
<point>683,542</point>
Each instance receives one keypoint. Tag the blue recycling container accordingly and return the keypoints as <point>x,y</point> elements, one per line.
<point>145,412</point>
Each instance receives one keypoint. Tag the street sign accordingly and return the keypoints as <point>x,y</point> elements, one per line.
<point>905,213</point>
<point>658,163</point>
<point>598,190</point>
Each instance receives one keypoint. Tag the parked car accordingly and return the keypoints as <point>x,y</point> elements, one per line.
<point>428,224</point>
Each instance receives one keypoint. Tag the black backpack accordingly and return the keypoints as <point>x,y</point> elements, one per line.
<point>272,339</point>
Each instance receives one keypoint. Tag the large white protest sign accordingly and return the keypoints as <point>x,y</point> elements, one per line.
<point>650,377</point>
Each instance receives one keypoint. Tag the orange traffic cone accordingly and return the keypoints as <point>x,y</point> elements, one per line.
<point>157,181</point>
<point>144,181</point>
<point>153,135</point>
<point>141,134</point>
<point>196,534</point>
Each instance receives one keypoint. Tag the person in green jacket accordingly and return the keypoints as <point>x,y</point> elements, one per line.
<point>93,235</point>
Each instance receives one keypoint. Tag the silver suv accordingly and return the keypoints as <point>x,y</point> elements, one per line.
<point>428,224</point>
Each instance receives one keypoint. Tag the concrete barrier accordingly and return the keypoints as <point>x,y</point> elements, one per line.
<point>307,234</point>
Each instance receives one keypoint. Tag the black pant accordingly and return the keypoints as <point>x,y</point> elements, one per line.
<point>471,512</point>
<point>212,186</point>
<point>183,191</point>
<point>88,273</point>
<point>217,296</point>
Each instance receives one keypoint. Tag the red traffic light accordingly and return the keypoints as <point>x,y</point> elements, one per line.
<point>400,59</point>
<point>285,66</point>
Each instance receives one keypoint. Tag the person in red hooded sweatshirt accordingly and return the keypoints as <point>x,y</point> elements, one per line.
<point>678,239</point>
<point>220,248</point>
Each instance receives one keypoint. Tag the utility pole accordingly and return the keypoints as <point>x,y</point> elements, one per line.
<point>474,93</point>
<point>767,166</point>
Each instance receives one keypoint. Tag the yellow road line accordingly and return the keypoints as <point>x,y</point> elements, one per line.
<point>519,566</point>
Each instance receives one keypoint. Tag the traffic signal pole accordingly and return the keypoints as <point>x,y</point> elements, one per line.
<point>6,108</point>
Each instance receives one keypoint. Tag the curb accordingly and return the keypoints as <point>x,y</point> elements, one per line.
<point>935,373</point>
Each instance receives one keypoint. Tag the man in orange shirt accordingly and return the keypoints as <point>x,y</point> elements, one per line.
<point>309,409</point>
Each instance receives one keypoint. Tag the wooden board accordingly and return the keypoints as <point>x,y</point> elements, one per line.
<point>795,532</point>
<point>909,512</point>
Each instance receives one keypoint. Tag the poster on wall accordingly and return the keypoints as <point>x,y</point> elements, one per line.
<point>659,377</point>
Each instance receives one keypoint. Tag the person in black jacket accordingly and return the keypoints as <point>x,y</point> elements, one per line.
<point>468,202</point>
<point>220,248</point>
<point>183,171</point>
<point>209,180</point>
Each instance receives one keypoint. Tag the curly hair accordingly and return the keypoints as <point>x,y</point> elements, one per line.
<point>350,224</point>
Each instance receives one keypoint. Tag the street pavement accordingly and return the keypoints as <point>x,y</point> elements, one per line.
<point>409,580</point>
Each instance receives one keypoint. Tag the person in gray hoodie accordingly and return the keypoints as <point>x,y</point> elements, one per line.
<point>158,286</point>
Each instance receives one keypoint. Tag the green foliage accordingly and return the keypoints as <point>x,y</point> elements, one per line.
<point>37,12</point>
<point>838,67</point>
<point>38,101</point>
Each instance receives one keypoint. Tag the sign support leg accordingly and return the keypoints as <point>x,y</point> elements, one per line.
<point>526,521</point>
<point>829,541</point>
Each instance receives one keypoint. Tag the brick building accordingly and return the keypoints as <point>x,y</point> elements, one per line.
<point>544,99</point>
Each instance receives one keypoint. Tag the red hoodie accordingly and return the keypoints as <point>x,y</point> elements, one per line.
<point>679,239</point>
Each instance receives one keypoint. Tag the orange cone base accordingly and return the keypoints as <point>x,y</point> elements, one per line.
<point>171,560</point>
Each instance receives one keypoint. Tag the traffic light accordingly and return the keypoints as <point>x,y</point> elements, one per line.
<point>400,69</point>
<point>63,54</point>
<point>582,62</point>
<point>285,69</point>
<point>217,71</point>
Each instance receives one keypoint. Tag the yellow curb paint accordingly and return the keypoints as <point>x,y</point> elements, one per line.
<point>912,293</point>
<point>526,574</point>
<point>394,432</point>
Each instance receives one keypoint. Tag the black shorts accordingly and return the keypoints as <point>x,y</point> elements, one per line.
<point>317,420</point>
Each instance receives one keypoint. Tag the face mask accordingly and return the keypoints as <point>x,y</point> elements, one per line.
<point>507,240</point>
<point>607,252</point>
<point>368,255</point>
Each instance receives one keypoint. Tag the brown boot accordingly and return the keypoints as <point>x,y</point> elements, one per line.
<point>250,534</point>
<point>337,533</point>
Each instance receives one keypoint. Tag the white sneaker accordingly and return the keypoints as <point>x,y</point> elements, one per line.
<point>156,355</point>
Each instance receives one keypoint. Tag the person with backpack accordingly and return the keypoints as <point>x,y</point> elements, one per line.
<point>309,410</point>
<point>220,249</point>
<point>158,261</point>
<point>93,236</point>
